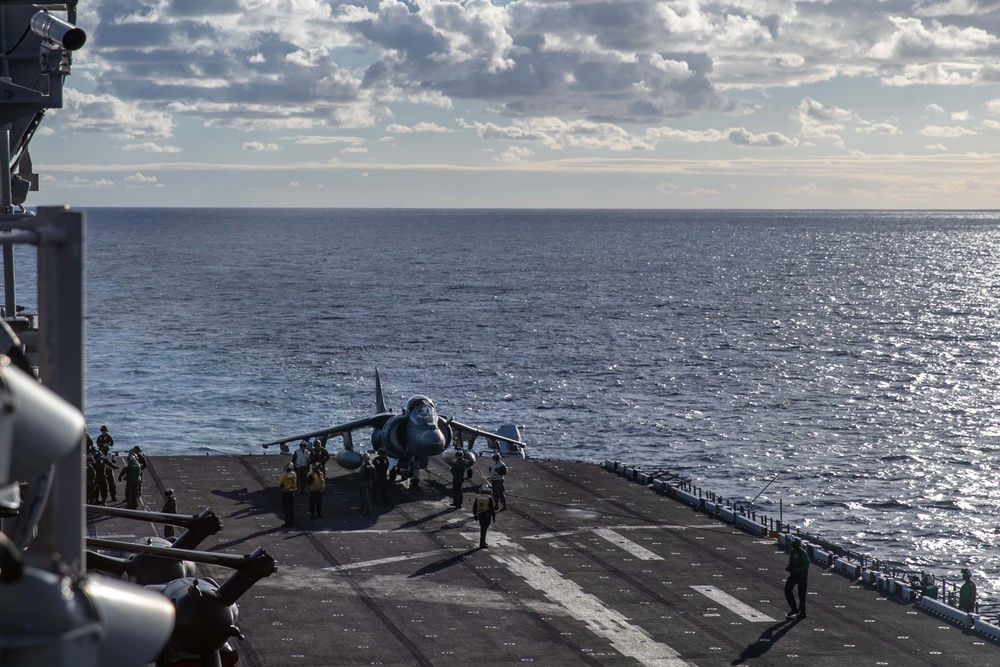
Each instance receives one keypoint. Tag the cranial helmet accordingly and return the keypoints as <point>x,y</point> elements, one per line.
<point>168,493</point>
<point>496,456</point>
<point>485,488</point>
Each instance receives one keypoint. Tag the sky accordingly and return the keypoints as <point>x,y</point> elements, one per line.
<point>529,104</point>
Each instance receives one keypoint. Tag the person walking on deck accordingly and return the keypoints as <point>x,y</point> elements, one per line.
<point>289,485</point>
<point>798,575</point>
<point>484,509</point>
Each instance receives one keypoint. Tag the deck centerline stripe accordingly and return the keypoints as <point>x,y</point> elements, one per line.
<point>384,561</point>
<point>639,551</point>
<point>732,604</point>
<point>628,639</point>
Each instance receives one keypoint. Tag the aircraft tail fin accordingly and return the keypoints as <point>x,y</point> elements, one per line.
<point>379,399</point>
<point>510,431</point>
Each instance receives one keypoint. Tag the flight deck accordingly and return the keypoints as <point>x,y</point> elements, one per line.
<point>584,568</point>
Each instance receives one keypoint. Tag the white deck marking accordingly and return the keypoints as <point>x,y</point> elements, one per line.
<point>628,639</point>
<point>383,561</point>
<point>733,605</point>
<point>640,552</point>
<point>578,531</point>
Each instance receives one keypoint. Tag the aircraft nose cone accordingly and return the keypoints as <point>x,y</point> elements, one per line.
<point>429,442</point>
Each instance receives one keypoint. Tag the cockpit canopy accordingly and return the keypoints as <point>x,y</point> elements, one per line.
<point>421,410</point>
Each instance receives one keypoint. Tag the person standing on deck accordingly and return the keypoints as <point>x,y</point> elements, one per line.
<point>365,476</point>
<point>100,476</point>
<point>497,472</point>
<point>318,456</point>
<point>137,454</point>
<point>109,464</point>
<point>169,507</point>
<point>289,485</point>
<point>484,509</point>
<point>458,469</point>
<point>967,593</point>
<point>300,460</point>
<point>317,487</point>
<point>104,444</point>
<point>798,575</point>
<point>380,487</point>
<point>132,474</point>
<point>91,481</point>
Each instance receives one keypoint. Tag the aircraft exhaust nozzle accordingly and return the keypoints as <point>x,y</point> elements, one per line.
<point>54,29</point>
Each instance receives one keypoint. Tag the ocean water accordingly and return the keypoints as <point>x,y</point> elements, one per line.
<point>850,356</point>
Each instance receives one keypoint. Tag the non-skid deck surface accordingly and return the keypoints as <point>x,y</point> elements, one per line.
<point>585,568</point>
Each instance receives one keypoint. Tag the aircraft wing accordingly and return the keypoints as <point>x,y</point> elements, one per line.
<point>375,421</point>
<point>464,428</point>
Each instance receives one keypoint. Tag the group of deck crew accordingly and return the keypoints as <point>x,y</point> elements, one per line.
<point>305,474</point>
<point>102,464</point>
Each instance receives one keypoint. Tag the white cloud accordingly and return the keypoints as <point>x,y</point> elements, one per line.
<point>912,40</point>
<point>259,146</point>
<point>558,134</point>
<point>87,112</point>
<point>822,120</point>
<point>514,154</point>
<point>878,128</point>
<point>946,131</point>
<point>742,137</point>
<point>936,74</point>
<point>138,177</point>
<point>320,140</point>
<point>693,136</point>
<point>152,147</point>
<point>396,128</point>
